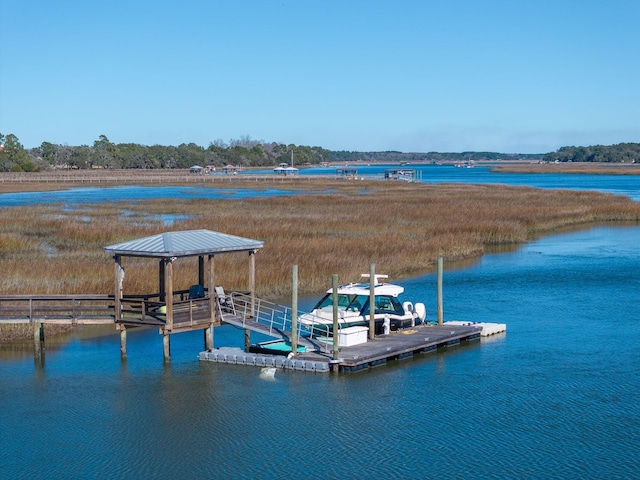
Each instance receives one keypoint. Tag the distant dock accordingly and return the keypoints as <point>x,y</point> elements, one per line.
<point>384,348</point>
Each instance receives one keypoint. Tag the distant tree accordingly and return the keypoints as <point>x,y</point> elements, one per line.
<point>13,156</point>
<point>105,153</point>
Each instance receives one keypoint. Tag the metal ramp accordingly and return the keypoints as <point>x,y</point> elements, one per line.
<point>265,317</point>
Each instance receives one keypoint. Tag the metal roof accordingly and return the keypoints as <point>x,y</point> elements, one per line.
<point>184,244</point>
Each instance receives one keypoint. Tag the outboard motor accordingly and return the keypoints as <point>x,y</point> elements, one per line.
<point>408,309</point>
<point>420,312</point>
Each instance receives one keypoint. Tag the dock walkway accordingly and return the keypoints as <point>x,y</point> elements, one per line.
<point>384,348</point>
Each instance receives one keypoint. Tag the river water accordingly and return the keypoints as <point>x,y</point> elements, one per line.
<point>557,396</point>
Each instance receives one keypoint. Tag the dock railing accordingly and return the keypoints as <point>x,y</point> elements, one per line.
<point>68,309</point>
<point>276,318</point>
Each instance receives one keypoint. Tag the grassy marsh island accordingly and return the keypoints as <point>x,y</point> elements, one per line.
<point>591,168</point>
<point>401,227</point>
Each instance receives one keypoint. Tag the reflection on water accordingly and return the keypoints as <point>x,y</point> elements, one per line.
<point>554,397</point>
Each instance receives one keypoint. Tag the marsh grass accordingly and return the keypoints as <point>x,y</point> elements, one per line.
<point>583,168</point>
<point>400,227</point>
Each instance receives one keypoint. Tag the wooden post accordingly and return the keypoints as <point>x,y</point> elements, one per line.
<point>168,277</point>
<point>208,332</point>
<point>119,277</point>
<point>336,347</point>
<point>440,313</point>
<point>294,309</point>
<point>212,289</point>
<point>201,270</point>
<point>252,289</point>
<point>161,280</point>
<point>372,301</point>
<point>123,342</point>
<point>166,346</point>
<point>38,340</point>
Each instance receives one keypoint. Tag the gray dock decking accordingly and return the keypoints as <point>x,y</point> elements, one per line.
<point>396,345</point>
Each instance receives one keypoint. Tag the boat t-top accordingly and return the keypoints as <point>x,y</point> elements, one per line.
<point>353,308</point>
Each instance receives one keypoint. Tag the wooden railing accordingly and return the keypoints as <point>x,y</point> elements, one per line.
<point>100,309</point>
<point>70,309</point>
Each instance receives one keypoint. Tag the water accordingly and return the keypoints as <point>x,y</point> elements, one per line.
<point>557,396</point>
<point>129,193</point>
<point>617,184</point>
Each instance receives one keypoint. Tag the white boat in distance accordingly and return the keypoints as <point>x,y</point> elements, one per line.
<point>353,308</point>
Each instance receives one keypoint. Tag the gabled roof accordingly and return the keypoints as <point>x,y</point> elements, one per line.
<point>184,244</point>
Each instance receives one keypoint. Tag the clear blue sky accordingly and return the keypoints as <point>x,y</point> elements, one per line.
<point>523,76</point>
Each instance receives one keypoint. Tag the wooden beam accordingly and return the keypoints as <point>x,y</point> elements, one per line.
<point>201,270</point>
<point>252,289</point>
<point>208,333</point>
<point>119,278</point>
<point>161,280</point>
<point>168,276</point>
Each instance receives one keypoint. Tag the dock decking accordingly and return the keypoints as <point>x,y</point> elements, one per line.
<point>395,346</point>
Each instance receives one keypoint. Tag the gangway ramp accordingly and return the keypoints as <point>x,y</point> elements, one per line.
<point>262,316</point>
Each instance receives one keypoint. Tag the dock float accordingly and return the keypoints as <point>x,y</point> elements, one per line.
<point>488,329</point>
<point>384,348</point>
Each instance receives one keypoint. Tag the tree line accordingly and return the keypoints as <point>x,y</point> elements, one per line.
<point>429,157</point>
<point>108,155</point>
<point>619,153</point>
<point>246,152</point>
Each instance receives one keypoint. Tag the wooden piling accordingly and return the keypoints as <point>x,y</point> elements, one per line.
<point>336,347</point>
<point>38,339</point>
<point>123,342</point>
<point>294,309</point>
<point>440,312</point>
<point>372,301</point>
<point>166,344</point>
<point>208,337</point>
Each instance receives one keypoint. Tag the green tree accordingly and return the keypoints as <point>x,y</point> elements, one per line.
<point>13,156</point>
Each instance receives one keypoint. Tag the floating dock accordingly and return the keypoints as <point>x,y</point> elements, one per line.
<point>394,346</point>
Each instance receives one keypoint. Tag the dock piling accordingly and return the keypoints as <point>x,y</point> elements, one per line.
<point>123,342</point>
<point>372,301</point>
<point>294,309</point>
<point>440,312</point>
<point>336,352</point>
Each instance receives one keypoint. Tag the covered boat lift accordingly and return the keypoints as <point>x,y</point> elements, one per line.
<point>184,310</point>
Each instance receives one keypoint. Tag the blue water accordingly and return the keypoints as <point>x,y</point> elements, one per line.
<point>617,184</point>
<point>131,193</point>
<point>557,396</point>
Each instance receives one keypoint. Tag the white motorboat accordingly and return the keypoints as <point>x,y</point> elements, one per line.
<point>353,309</point>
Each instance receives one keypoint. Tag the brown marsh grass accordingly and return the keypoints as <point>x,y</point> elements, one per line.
<point>584,168</point>
<point>400,227</point>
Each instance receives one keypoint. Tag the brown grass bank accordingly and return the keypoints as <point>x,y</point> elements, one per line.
<point>584,168</point>
<point>400,227</point>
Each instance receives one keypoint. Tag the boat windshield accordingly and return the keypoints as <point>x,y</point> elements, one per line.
<point>360,303</point>
<point>349,302</point>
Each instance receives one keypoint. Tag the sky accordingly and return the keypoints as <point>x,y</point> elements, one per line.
<point>527,76</point>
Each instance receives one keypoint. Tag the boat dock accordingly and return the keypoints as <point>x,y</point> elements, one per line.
<point>382,349</point>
